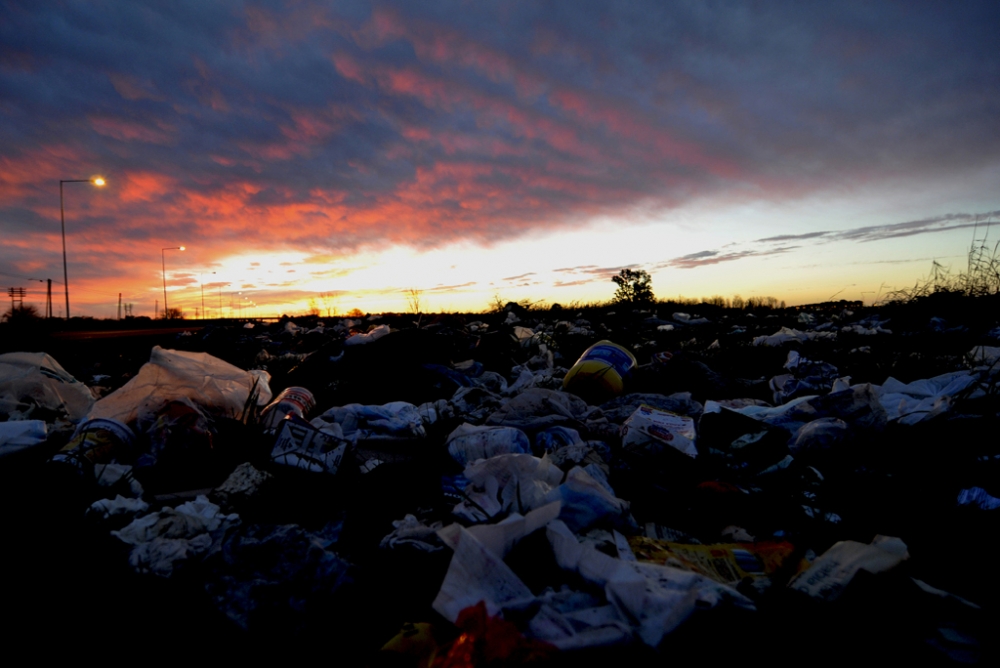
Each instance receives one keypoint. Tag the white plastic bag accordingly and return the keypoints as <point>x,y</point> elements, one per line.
<point>28,380</point>
<point>172,375</point>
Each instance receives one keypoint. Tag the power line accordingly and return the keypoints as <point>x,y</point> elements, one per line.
<point>23,278</point>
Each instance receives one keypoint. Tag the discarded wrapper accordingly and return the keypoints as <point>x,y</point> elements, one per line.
<point>727,563</point>
<point>652,429</point>
<point>303,446</point>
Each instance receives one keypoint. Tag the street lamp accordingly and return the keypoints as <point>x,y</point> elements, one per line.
<point>163,265</point>
<point>97,181</point>
<point>201,282</point>
<point>221,313</point>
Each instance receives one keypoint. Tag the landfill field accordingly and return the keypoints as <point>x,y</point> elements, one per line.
<point>526,486</point>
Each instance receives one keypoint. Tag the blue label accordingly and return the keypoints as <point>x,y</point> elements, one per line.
<point>619,360</point>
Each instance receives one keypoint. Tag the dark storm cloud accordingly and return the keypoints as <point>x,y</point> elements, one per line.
<point>330,126</point>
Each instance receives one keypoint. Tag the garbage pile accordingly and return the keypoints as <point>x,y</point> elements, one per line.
<point>527,486</point>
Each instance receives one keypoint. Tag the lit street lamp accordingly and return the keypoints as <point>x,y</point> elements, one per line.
<point>163,265</point>
<point>97,181</point>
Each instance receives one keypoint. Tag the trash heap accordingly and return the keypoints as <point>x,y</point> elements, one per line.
<point>527,486</point>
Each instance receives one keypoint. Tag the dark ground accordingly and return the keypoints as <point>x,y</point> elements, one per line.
<point>67,590</point>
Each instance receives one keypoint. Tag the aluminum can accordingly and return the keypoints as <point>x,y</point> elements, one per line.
<point>291,401</point>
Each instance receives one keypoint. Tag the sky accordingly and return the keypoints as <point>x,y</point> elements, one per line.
<point>346,155</point>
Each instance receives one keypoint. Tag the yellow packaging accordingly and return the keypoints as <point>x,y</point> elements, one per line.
<point>600,372</point>
<point>728,563</point>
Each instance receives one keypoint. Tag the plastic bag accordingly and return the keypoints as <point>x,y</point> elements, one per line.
<point>175,375</point>
<point>468,443</point>
<point>32,381</point>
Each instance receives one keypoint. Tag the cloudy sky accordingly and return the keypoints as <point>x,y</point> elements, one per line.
<point>474,150</point>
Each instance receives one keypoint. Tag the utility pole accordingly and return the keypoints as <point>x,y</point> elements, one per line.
<point>156,309</point>
<point>48,301</point>
<point>119,306</point>
<point>16,294</point>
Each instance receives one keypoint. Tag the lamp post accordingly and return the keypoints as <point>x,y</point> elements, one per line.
<point>201,282</point>
<point>97,181</point>
<point>163,265</point>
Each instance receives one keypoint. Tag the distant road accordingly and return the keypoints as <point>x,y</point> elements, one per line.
<point>121,333</point>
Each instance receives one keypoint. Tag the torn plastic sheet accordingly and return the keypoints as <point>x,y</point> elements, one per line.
<point>512,482</point>
<point>654,599</point>
<point>520,483</point>
<point>913,402</point>
<point>833,570</point>
<point>394,421</point>
<point>118,506</point>
<point>368,337</point>
<point>538,408</point>
<point>469,443</point>
<point>568,619</point>
<point>500,538</point>
<point>787,334</point>
<point>859,406</point>
<point>161,540</point>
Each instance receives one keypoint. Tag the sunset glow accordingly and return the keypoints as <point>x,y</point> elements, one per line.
<point>333,156</point>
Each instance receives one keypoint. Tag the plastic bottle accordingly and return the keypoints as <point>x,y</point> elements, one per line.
<point>292,401</point>
<point>600,372</point>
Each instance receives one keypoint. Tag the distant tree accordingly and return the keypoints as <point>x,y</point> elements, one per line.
<point>413,300</point>
<point>23,313</point>
<point>313,308</point>
<point>355,313</point>
<point>767,303</point>
<point>329,303</point>
<point>633,287</point>
<point>716,300</point>
<point>173,314</point>
<point>497,305</point>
